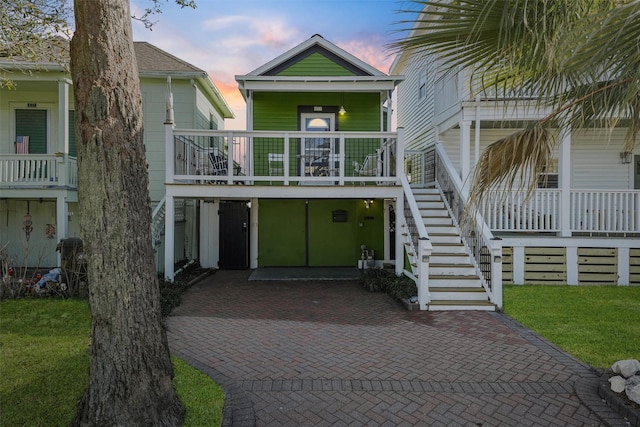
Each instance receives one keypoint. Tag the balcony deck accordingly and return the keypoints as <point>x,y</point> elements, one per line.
<point>38,171</point>
<point>282,163</point>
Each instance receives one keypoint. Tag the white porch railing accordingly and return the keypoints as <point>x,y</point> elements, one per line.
<point>38,170</point>
<point>607,211</point>
<point>417,246</point>
<point>512,211</point>
<point>591,211</point>
<point>283,158</point>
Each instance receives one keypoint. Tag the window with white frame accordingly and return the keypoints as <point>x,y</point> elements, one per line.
<point>422,84</point>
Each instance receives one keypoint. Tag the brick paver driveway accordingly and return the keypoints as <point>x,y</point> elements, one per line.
<point>319,353</point>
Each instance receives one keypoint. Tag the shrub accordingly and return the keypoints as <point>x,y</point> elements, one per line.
<point>383,280</point>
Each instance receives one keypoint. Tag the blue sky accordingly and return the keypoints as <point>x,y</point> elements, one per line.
<point>229,38</point>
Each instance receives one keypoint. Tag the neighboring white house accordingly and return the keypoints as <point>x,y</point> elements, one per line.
<point>582,227</point>
<point>38,169</point>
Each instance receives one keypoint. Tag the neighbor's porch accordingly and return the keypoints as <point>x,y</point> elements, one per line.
<point>562,211</point>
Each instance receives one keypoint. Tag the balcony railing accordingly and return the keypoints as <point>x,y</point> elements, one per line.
<point>283,158</point>
<point>591,211</point>
<point>38,170</point>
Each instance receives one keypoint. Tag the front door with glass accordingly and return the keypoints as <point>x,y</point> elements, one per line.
<point>317,154</point>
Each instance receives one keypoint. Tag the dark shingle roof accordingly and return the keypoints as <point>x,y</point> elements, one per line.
<point>152,58</point>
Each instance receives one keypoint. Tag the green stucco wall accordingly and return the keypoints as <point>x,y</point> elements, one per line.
<point>288,227</point>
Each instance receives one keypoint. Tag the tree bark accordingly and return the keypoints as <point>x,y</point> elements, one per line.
<point>130,370</point>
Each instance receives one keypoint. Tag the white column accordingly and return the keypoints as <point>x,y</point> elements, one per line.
<point>400,154</point>
<point>518,265</point>
<point>564,182</point>
<point>465,154</point>
<point>61,221</point>
<point>386,221</point>
<point>169,237</point>
<point>496,271</point>
<point>623,266</point>
<point>63,117</point>
<point>424,257</point>
<point>572,265</point>
<point>253,243</point>
<point>399,243</point>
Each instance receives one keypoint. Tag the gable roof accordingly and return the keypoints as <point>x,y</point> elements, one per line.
<point>359,76</point>
<point>316,43</point>
<point>153,62</point>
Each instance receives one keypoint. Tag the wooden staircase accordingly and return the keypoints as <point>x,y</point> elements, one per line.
<point>454,283</point>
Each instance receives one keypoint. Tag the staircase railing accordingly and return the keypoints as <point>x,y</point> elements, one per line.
<point>157,234</point>
<point>417,244</point>
<point>486,250</point>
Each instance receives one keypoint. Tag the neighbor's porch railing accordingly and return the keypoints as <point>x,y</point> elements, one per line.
<point>283,158</point>
<point>51,170</point>
<point>591,211</point>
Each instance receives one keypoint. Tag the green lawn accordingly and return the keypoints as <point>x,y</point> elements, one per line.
<point>597,324</point>
<point>44,361</point>
<point>44,366</point>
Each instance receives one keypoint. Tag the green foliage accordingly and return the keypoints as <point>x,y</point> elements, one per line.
<point>382,280</point>
<point>45,366</point>
<point>597,324</point>
<point>205,398</point>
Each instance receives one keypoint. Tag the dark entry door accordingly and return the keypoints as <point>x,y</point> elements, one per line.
<point>234,235</point>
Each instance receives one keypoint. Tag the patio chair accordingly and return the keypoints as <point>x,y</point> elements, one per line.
<point>219,165</point>
<point>369,167</point>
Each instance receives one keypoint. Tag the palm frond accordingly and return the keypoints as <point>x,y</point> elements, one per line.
<point>515,161</point>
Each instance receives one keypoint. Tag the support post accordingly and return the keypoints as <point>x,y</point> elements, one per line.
<point>399,154</point>
<point>399,243</point>
<point>465,155</point>
<point>623,266</point>
<point>564,182</point>
<point>518,265</point>
<point>253,243</point>
<point>169,237</point>
<point>424,257</point>
<point>496,271</point>
<point>61,222</point>
<point>63,117</point>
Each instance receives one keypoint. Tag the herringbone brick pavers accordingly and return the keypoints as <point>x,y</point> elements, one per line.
<point>329,353</point>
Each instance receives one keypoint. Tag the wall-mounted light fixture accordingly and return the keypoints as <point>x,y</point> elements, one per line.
<point>368,203</point>
<point>625,157</point>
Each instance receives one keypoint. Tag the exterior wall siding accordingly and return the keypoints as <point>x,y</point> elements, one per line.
<point>290,228</point>
<point>415,112</point>
<point>315,64</point>
<point>278,111</point>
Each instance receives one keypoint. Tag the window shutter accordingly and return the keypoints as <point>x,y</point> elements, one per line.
<point>72,134</point>
<point>33,123</point>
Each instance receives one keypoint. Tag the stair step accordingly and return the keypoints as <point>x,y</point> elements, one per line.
<point>443,305</point>
<point>458,294</point>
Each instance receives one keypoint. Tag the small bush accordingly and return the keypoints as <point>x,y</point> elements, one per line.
<point>382,280</point>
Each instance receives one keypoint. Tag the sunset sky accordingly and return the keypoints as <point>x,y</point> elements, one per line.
<point>229,38</point>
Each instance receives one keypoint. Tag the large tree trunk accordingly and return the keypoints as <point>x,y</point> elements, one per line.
<point>130,371</point>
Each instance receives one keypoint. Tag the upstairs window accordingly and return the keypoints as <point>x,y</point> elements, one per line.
<point>422,85</point>
<point>549,178</point>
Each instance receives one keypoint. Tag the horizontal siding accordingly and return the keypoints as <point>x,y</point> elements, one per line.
<point>415,114</point>
<point>546,266</point>
<point>598,266</point>
<point>316,64</point>
<point>279,111</point>
<point>596,161</point>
